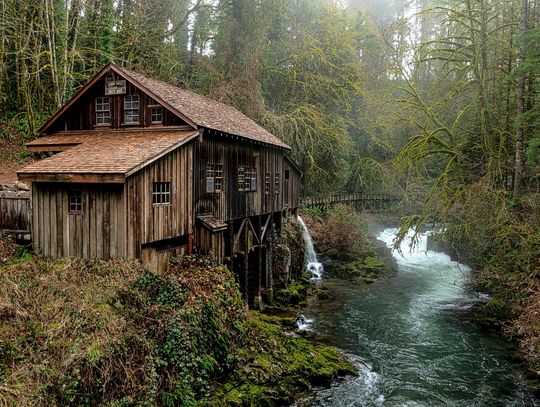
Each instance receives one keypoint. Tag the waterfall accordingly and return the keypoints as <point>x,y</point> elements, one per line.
<point>312,264</point>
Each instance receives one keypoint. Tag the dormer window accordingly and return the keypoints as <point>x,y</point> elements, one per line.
<point>103,111</point>
<point>131,109</point>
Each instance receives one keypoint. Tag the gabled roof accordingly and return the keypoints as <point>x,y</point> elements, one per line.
<point>104,157</point>
<point>195,109</point>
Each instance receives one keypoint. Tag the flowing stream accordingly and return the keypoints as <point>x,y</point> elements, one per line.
<point>410,343</point>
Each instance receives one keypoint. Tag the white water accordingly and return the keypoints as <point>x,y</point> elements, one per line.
<point>313,265</point>
<point>409,342</point>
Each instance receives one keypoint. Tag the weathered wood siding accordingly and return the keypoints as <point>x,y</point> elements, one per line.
<point>82,115</point>
<point>97,231</point>
<point>15,212</point>
<point>149,223</point>
<point>109,224</point>
<point>208,242</point>
<point>231,203</point>
<point>291,185</point>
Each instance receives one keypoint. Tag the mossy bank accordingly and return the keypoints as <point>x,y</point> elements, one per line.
<point>347,251</point>
<point>77,332</point>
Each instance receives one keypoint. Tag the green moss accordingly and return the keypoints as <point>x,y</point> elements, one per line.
<point>283,365</point>
<point>78,332</point>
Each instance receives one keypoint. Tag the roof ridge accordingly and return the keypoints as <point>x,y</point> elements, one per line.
<point>206,112</point>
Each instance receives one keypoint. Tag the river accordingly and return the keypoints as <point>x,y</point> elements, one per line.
<point>411,343</point>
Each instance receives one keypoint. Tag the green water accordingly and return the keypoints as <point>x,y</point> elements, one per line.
<point>413,347</point>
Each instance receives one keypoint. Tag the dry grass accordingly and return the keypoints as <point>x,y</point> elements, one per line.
<point>53,314</point>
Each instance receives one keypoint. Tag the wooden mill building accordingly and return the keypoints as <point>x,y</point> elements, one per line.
<point>141,168</point>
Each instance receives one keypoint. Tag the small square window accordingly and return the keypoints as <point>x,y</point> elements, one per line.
<point>156,115</point>
<point>161,193</point>
<point>75,201</point>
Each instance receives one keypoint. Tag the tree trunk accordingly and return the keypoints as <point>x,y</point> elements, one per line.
<point>520,131</point>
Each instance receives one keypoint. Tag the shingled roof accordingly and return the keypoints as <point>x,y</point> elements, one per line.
<point>105,156</point>
<point>197,110</point>
<point>203,111</point>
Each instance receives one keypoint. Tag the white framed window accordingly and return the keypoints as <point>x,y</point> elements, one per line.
<point>247,178</point>
<point>156,114</point>
<point>267,183</point>
<point>241,178</point>
<point>161,193</point>
<point>218,177</point>
<point>131,109</point>
<point>214,177</point>
<point>103,110</point>
<point>75,201</point>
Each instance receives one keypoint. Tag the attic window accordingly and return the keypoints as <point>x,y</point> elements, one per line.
<point>131,109</point>
<point>75,201</point>
<point>161,193</point>
<point>103,110</point>
<point>156,115</point>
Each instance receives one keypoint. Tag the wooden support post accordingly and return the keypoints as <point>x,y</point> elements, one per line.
<point>245,268</point>
<point>190,244</point>
<point>230,243</point>
<point>269,275</point>
<point>257,299</point>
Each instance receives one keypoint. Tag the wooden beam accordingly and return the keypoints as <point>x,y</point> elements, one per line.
<point>52,148</point>
<point>238,234</point>
<point>265,227</point>
<point>113,178</point>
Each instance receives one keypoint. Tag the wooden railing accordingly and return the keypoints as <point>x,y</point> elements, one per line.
<point>15,213</point>
<point>351,199</point>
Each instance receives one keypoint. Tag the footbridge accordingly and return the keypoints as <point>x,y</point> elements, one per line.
<point>359,201</point>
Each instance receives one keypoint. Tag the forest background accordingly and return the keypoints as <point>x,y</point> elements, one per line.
<point>432,100</point>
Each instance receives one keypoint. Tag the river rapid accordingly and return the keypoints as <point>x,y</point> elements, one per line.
<point>410,341</point>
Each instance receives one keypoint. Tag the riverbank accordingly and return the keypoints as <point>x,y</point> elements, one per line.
<point>346,246</point>
<point>411,343</point>
<point>76,332</point>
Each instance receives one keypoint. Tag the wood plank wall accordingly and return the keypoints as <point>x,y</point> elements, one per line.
<point>81,116</point>
<point>15,213</point>
<point>232,204</point>
<point>109,225</point>
<point>98,230</point>
<point>149,223</point>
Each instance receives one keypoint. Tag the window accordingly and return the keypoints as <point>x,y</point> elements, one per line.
<point>247,178</point>
<point>161,193</point>
<point>103,110</point>
<point>267,183</point>
<point>214,177</point>
<point>218,173</point>
<point>253,179</point>
<point>156,114</point>
<point>276,181</point>
<point>287,174</point>
<point>131,109</point>
<point>75,201</point>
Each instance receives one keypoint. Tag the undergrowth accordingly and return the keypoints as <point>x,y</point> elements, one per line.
<point>93,332</point>
<point>502,243</point>
<point>341,236</point>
